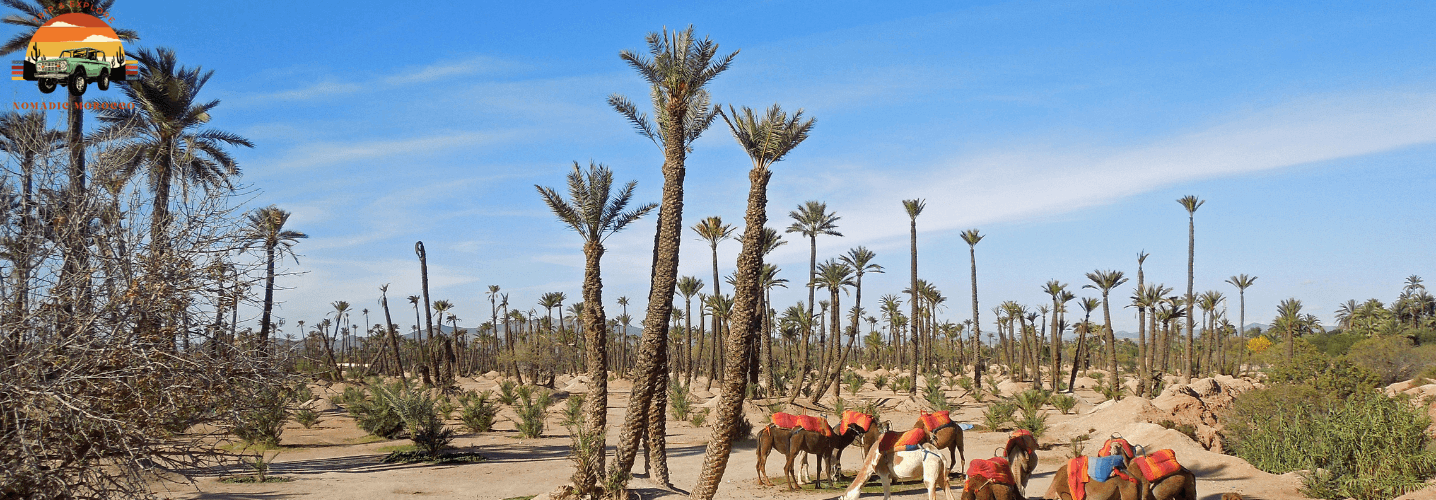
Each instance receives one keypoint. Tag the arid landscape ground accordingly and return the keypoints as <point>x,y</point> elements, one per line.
<point>336,460</point>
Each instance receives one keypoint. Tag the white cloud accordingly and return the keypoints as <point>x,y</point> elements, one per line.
<point>320,154</point>
<point>98,39</point>
<point>61,24</point>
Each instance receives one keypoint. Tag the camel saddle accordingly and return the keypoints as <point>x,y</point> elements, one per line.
<point>905,441</point>
<point>991,470</point>
<point>1023,439</point>
<point>1158,465</point>
<point>806,422</point>
<point>1107,447</point>
<point>1082,470</point>
<point>850,417</point>
<point>934,421</point>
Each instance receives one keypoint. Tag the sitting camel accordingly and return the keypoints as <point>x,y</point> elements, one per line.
<point>945,433</point>
<point>1079,479</point>
<point>924,463</point>
<point>1021,452</point>
<point>991,479</point>
<point>793,434</point>
<point>1162,477</point>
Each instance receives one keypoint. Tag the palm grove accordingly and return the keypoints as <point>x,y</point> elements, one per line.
<point>112,273</point>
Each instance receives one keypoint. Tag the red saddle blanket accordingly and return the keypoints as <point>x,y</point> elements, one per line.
<point>1157,465</point>
<point>1077,477</point>
<point>995,469</point>
<point>850,417</point>
<point>891,440</point>
<point>1021,439</point>
<point>931,421</point>
<point>1122,442</point>
<point>808,422</point>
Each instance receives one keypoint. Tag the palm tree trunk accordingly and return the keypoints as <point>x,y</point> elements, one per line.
<point>597,338</point>
<point>1077,356</point>
<point>807,329</point>
<point>746,320</point>
<point>1191,255</point>
<point>393,335</point>
<point>912,239</point>
<point>977,367</point>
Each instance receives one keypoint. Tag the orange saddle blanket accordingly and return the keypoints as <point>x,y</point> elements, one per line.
<point>894,440</point>
<point>1157,465</point>
<point>850,417</point>
<point>808,422</point>
<point>1021,439</point>
<point>995,469</point>
<point>932,421</point>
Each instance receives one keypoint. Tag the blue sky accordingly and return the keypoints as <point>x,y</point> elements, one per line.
<point>1063,131</point>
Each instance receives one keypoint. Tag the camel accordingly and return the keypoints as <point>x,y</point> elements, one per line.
<point>1021,452</point>
<point>853,426</point>
<point>991,479</point>
<point>791,441</point>
<point>925,463</point>
<point>1115,487</point>
<point>1174,482</point>
<point>945,433</point>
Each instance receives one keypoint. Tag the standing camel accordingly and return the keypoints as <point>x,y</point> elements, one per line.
<point>945,435</point>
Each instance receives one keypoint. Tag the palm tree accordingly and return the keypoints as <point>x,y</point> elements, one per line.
<point>861,260</point>
<point>1191,203</point>
<point>713,230</point>
<point>834,276</point>
<point>1055,289</point>
<point>688,286</point>
<point>389,326</point>
<point>1242,282</point>
<point>1088,304</point>
<point>419,339</point>
<point>1288,315</point>
<point>1106,281</point>
<point>914,208</point>
<point>493,294</point>
<point>428,312</point>
<point>677,70</point>
<point>811,219</point>
<point>341,309</point>
<point>266,229</point>
<point>442,307</point>
<point>1143,369</point>
<point>971,236</point>
<point>1208,301</point>
<point>595,212</point>
<point>767,140</point>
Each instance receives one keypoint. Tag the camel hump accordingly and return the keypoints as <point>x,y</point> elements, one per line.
<point>995,469</point>
<point>785,420</point>
<point>1158,465</point>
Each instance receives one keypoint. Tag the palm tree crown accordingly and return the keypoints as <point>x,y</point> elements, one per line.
<point>593,210</point>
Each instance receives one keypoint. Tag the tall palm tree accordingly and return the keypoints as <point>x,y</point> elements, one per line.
<point>266,230</point>
<point>623,318</point>
<point>971,237</point>
<point>688,286</point>
<point>1288,314</point>
<point>767,140</point>
<point>1143,369</point>
<point>861,260</point>
<point>1209,301</point>
<point>428,312</point>
<point>1055,289</point>
<point>442,307</point>
<point>1088,304</point>
<point>835,277</point>
<point>1191,203</point>
<point>493,294</point>
<point>914,208</point>
<point>1242,282</point>
<point>811,219</point>
<point>341,309</point>
<point>389,326</point>
<point>595,212</point>
<point>677,69</point>
<point>714,231</point>
<point>1106,281</point>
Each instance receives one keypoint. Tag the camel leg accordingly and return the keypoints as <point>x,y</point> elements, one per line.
<point>764,448</point>
<point>887,486</point>
<point>788,472</point>
<point>803,477</point>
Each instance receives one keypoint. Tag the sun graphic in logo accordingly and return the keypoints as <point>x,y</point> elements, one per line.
<point>74,50</point>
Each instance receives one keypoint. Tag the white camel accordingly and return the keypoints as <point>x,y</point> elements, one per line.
<point>924,463</point>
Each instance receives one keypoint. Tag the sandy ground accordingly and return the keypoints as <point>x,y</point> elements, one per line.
<point>334,461</point>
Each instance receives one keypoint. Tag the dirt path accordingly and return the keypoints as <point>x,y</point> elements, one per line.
<point>332,461</point>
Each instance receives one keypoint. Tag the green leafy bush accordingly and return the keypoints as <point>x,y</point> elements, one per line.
<point>420,414</point>
<point>263,422</point>
<point>532,408</point>
<point>306,417</point>
<point>965,382</point>
<point>1029,401</point>
<point>699,418</point>
<point>998,414</point>
<point>507,394</point>
<point>679,406</point>
<point>1392,359</point>
<point>880,382</point>
<point>1034,422</point>
<point>935,396</point>
<point>479,412</point>
<point>573,410</point>
<point>854,382</point>
<point>1364,445</point>
<point>374,412</point>
<point>1063,402</point>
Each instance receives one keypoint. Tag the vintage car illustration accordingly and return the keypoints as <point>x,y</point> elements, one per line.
<point>76,68</point>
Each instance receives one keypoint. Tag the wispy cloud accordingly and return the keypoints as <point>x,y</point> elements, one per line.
<point>329,153</point>
<point>470,66</point>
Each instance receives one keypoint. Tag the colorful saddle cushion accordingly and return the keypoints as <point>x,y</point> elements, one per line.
<point>785,420</point>
<point>1021,439</point>
<point>891,440</point>
<point>995,469</point>
<point>807,422</point>
<point>1100,468</point>
<point>1158,465</point>
<point>1077,478</point>
<point>850,417</point>
<point>1122,442</point>
<point>935,420</point>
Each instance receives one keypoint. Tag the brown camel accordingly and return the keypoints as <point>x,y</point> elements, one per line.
<point>1021,452</point>
<point>1162,477</point>
<point>855,426</point>
<point>1114,488</point>
<point>818,442</point>
<point>945,434</point>
<point>990,479</point>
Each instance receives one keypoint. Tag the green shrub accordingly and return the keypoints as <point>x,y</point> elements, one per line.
<point>263,422</point>
<point>998,414</point>
<point>839,405</point>
<point>306,417</point>
<point>302,393</point>
<point>445,408</point>
<point>745,428</point>
<point>1064,403</point>
<point>573,410</point>
<point>1333,344</point>
<point>935,396</point>
<point>854,382</point>
<point>1338,378</point>
<point>880,382</point>
<point>350,395</point>
<point>420,414</point>
<point>373,410</point>
<point>1034,422</point>
<point>679,406</point>
<point>965,383</point>
<point>507,394</point>
<point>1029,401</point>
<point>902,384</point>
<point>699,418</point>
<point>1109,392</point>
<point>1363,446</point>
<point>479,412</point>
<point>1392,359</point>
<point>532,410</point>
<point>1188,429</point>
